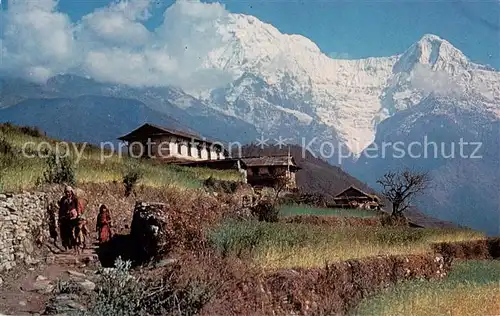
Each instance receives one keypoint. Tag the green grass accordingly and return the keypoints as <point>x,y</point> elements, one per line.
<point>284,245</point>
<point>22,173</point>
<point>289,210</point>
<point>472,288</point>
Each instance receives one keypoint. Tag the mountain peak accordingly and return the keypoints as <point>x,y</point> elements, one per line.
<point>433,51</point>
<point>431,38</point>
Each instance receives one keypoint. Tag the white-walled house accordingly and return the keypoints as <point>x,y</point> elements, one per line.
<point>152,141</point>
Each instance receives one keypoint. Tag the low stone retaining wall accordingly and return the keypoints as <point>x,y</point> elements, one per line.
<point>22,227</point>
<point>470,250</point>
<point>332,290</point>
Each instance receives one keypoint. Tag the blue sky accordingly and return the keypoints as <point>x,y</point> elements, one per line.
<point>357,29</point>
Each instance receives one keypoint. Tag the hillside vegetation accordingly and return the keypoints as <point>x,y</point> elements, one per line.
<point>471,289</point>
<point>235,264</point>
<point>290,245</point>
<point>20,172</point>
<point>291,210</point>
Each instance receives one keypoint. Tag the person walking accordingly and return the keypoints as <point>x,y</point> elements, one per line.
<point>68,206</point>
<point>103,226</point>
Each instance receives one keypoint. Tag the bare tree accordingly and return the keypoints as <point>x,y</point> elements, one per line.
<point>280,184</point>
<point>401,187</point>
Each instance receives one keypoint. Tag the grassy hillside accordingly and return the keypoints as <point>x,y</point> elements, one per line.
<point>287,245</point>
<point>21,172</point>
<point>472,288</point>
<point>290,210</point>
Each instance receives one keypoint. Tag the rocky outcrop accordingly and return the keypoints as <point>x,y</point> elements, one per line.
<point>22,227</point>
<point>149,230</point>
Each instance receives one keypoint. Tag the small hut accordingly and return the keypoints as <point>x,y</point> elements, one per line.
<point>268,171</point>
<point>353,197</point>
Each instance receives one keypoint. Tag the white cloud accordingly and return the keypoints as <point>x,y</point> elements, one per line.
<point>118,24</point>
<point>112,44</point>
<point>435,81</point>
<point>37,41</point>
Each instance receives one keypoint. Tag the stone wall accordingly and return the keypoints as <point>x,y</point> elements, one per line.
<point>333,290</point>
<point>22,228</point>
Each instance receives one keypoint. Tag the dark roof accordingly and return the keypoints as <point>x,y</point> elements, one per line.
<point>148,129</point>
<point>354,188</point>
<point>282,160</point>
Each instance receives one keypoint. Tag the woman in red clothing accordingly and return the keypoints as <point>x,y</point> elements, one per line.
<point>68,205</point>
<point>103,226</point>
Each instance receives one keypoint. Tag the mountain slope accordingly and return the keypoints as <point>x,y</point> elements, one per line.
<point>180,108</point>
<point>91,119</point>
<point>457,141</point>
<point>273,71</point>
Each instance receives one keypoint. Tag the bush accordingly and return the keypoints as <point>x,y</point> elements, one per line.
<point>118,292</point>
<point>6,148</point>
<point>394,220</point>
<point>6,158</point>
<point>223,186</point>
<point>27,130</point>
<point>266,211</point>
<point>131,178</point>
<point>32,131</point>
<point>59,170</point>
<point>182,294</point>
<point>2,175</point>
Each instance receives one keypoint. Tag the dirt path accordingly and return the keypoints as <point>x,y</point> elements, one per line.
<point>25,290</point>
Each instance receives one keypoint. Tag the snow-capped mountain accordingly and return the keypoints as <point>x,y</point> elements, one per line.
<point>278,75</point>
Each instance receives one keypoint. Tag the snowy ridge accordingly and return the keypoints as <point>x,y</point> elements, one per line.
<point>275,71</point>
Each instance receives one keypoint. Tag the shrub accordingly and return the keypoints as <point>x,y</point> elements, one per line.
<point>2,175</point>
<point>59,170</point>
<point>266,211</point>
<point>394,220</point>
<point>32,131</point>
<point>6,158</point>
<point>27,130</point>
<point>6,148</point>
<point>181,295</point>
<point>118,292</point>
<point>223,186</point>
<point>131,178</point>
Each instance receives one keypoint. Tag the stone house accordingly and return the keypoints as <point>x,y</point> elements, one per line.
<point>153,141</point>
<point>269,171</point>
<point>259,172</point>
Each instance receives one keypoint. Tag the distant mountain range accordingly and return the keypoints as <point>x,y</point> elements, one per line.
<point>283,85</point>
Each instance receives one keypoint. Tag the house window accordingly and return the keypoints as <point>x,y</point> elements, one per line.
<point>179,147</point>
<point>189,150</point>
<point>255,170</point>
<point>199,151</point>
